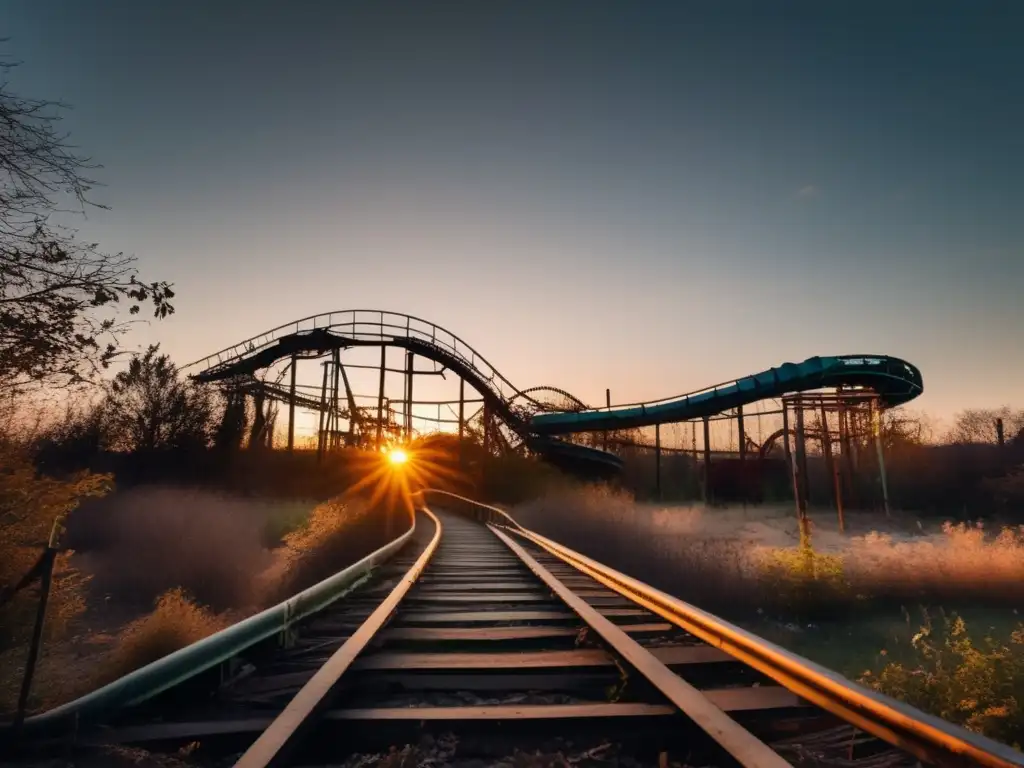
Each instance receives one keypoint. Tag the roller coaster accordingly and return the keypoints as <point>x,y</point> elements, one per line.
<point>528,417</point>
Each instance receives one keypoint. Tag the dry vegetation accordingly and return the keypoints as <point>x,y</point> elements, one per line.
<point>749,564</point>
<point>167,567</point>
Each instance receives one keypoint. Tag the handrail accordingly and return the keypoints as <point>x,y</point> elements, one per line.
<point>175,668</point>
<point>359,318</point>
<point>926,736</point>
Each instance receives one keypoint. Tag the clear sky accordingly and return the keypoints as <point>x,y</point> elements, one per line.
<point>642,196</point>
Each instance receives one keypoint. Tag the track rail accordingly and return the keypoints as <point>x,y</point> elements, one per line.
<point>480,627</point>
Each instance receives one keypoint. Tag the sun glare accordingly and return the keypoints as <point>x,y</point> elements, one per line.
<point>398,456</point>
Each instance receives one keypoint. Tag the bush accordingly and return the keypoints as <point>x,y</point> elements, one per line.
<point>176,622</point>
<point>337,534</point>
<point>978,686</point>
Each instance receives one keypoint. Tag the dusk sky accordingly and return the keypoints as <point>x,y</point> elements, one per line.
<point>647,197</point>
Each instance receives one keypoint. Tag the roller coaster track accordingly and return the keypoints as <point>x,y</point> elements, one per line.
<point>472,634</point>
<point>894,380</point>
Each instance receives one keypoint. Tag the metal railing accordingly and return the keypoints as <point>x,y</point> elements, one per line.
<point>371,325</point>
<point>186,663</point>
<point>925,736</point>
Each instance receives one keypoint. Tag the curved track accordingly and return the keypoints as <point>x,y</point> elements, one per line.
<point>480,638</point>
<point>895,380</point>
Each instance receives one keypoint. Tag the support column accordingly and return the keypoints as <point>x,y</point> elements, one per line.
<point>291,408</point>
<point>657,460</point>
<point>462,423</point>
<point>323,409</point>
<point>380,397</point>
<point>831,469</point>
<point>876,428</point>
<point>608,404</point>
<point>845,458</point>
<point>800,467</point>
<point>335,402</point>
<point>785,446</point>
<point>707,460</point>
<point>742,433</point>
<point>409,362</point>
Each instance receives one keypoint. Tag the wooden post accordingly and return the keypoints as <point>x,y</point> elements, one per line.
<point>876,428</point>
<point>291,408</point>
<point>323,410</point>
<point>657,460</point>
<point>46,576</point>
<point>409,362</point>
<point>707,460</point>
<point>462,422</point>
<point>1000,437</point>
<point>800,480</point>
<point>380,396</point>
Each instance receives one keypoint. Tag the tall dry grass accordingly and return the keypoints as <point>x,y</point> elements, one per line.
<point>176,621</point>
<point>338,533</point>
<point>727,562</point>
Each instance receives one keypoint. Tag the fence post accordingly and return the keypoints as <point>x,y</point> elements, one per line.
<point>46,579</point>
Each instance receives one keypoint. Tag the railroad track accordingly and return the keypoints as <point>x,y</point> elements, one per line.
<point>480,639</point>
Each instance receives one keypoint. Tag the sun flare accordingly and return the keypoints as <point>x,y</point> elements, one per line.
<point>398,456</point>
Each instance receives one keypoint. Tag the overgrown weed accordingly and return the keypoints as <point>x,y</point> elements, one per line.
<point>177,621</point>
<point>976,684</point>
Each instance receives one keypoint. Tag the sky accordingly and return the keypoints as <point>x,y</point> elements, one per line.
<point>648,197</point>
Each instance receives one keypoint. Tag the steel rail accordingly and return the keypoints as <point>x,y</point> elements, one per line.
<point>184,664</point>
<point>925,736</point>
<point>748,750</point>
<point>273,745</point>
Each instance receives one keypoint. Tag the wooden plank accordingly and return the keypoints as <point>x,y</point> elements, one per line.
<point>729,699</point>
<point>480,585</point>
<point>748,750</point>
<point>477,597</point>
<point>586,657</point>
<point>506,712</point>
<point>441,634</point>
<point>274,743</point>
<point>454,617</point>
<point>489,617</point>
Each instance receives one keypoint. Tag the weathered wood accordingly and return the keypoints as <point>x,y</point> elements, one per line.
<point>728,699</point>
<point>477,597</point>
<point>587,657</point>
<point>441,634</point>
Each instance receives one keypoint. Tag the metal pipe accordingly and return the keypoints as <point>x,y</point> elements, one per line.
<point>380,396</point>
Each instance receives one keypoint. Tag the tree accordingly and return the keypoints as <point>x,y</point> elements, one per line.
<point>59,323</point>
<point>149,407</point>
<point>979,425</point>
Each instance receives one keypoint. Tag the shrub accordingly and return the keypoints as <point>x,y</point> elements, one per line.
<point>176,622</point>
<point>979,686</point>
<point>338,533</point>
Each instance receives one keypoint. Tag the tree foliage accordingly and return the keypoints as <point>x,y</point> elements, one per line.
<point>978,425</point>
<point>59,296</point>
<point>149,407</point>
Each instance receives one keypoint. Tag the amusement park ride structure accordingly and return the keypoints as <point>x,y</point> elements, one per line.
<point>545,421</point>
